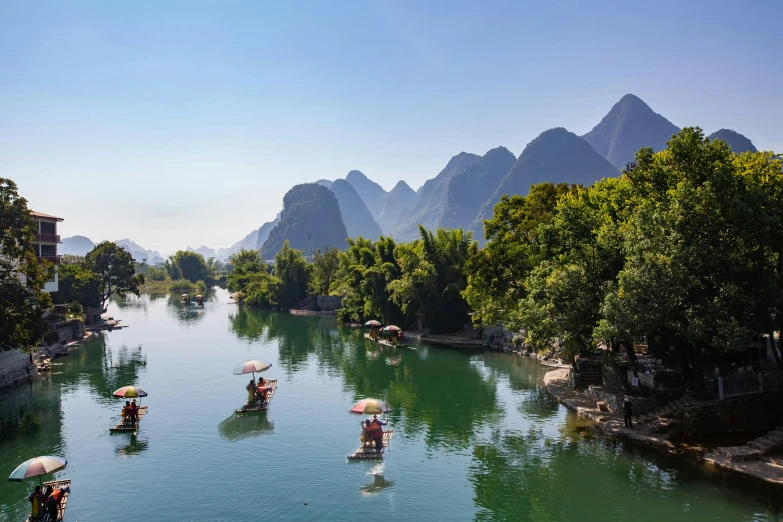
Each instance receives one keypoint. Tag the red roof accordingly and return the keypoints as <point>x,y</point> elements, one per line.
<point>42,215</point>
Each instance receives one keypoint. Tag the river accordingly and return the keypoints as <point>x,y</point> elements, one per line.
<point>476,438</point>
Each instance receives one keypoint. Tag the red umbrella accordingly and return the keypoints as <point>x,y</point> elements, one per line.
<point>370,406</point>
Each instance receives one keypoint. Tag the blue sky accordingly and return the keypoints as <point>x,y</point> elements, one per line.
<point>184,123</point>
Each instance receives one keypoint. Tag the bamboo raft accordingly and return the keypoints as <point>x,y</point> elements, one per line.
<point>55,484</point>
<point>249,407</point>
<point>126,425</point>
<point>371,338</point>
<point>387,342</point>
<point>367,451</point>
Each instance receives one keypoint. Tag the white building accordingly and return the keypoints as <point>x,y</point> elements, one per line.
<point>45,244</point>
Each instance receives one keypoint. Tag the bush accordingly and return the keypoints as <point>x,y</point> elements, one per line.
<point>75,309</point>
<point>51,337</point>
<point>263,291</point>
<point>182,285</point>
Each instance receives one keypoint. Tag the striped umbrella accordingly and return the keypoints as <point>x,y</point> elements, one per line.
<point>392,328</point>
<point>372,322</point>
<point>370,406</point>
<point>129,392</point>
<point>36,467</point>
<point>252,366</point>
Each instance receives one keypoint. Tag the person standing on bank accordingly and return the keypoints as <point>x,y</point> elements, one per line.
<point>627,412</point>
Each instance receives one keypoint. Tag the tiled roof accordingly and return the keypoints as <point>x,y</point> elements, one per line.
<point>42,215</point>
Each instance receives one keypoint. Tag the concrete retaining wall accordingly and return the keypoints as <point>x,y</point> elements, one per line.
<point>14,367</point>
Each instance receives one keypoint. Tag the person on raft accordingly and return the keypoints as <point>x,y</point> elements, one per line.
<point>54,501</point>
<point>36,500</point>
<point>126,411</point>
<point>376,432</point>
<point>134,412</point>
<point>262,390</point>
<point>251,391</point>
<point>366,438</point>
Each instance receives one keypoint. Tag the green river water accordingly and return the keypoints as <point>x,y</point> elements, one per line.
<point>476,438</point>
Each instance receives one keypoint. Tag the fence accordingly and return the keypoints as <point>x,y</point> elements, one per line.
<point>737,384</point>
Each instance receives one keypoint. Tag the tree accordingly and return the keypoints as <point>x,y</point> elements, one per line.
<point>22,275</point>
<point>187,265</point>
<point>293,272</point>
<point>77,283</point>
<point>245,263</point>
<point>497,273</point>
<point>116,269</point>
<point>325,268</point>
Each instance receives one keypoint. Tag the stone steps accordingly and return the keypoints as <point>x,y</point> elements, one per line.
<point>756,448</point>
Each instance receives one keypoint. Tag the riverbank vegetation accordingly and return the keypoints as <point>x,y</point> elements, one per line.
<point>683,249</point>
<point>185,272</point>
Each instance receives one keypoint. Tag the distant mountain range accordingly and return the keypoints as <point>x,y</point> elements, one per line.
<point>463,194</point>
<point>80,246</point>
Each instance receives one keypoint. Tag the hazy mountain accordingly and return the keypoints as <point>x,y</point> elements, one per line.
<point>556,155</point>
<point>308,210</point>
<point>370,192</point>
<point>357,218</point>
<point>735,140</point>
<point>139,253</point>
<point>432,198</point>
<point>471,188</point>
<point>75,246</point>
<point>630,125</point>
<point>396,204</point>
<point>325,182</point>
<point>204,251</point>
<point>266,228</point>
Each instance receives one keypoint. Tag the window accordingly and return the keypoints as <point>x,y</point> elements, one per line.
<point>48,227</point>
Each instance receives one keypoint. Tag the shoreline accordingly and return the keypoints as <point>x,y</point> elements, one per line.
<point>556,383</point>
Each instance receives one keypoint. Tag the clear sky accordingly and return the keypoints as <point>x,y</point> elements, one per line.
<point>184,123</point>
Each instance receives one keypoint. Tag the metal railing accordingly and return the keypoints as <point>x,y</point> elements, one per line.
<point>737,384</point>
<point>48,238</point>
<point>51,259</point>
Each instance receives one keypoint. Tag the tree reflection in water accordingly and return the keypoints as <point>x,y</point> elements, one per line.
<point>443,396</point>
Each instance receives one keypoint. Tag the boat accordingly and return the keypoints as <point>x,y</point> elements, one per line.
<point>250,407</point>
<point>126,425</point>
<point>367,451</point>
<point>370,337</point>
<point>44,364</point>
<point>387,342</point>
<point>66,483</point>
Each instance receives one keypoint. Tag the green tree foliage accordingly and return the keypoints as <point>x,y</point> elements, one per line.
<point>497,273</point>
<point>22,276</point>
<point>115,267</point>
<point>246,264</point>
<point>156,273</point>
<point>263,291</point>
<point>432,278</point>
<point>187,265</point>
<point>292,270</point>
<point>77,283</point>
<point>366,269</point>
<point>325,267</point>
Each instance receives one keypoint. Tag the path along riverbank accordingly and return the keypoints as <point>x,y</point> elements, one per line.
<point>557,384</point>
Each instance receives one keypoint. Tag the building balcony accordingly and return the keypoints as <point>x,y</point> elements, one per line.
<point>52,259</point>
<point>47,238</point>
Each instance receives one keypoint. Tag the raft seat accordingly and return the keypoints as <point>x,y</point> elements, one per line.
<point>250,407</point>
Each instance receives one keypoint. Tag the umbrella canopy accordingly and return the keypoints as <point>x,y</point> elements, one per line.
<point>199,295</point>
<point>392,328</point>
<point>372,322</point>
<point>184,295</point>
<point>370,406</point>
<point>129,392</point>
<point>37,466</point>
<point>252,366</point>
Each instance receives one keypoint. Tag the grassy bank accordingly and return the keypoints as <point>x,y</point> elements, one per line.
<point>179,285</point>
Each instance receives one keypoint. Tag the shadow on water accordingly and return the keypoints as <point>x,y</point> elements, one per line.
<point>378,484</point>
<point>244,426</point>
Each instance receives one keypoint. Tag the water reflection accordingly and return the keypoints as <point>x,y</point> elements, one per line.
<point>244,426</point>
<point>136,445</point>
<point>105,369</point>
<point>449,405</point>
<point>378,484</point>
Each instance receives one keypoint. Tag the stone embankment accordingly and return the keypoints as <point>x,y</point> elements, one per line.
<point>753,460</point>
